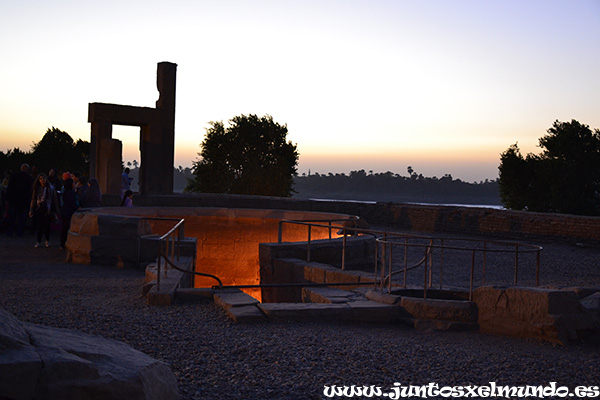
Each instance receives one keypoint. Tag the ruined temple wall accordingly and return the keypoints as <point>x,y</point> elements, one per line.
<point>476,221</point>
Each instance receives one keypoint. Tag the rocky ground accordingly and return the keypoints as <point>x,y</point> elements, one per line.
<point>215,358</point>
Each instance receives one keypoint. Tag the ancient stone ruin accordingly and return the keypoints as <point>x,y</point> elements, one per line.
<point>157,139</point>
<point>40,362</point>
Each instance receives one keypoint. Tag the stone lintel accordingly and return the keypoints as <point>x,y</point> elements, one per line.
<point>120,115</point>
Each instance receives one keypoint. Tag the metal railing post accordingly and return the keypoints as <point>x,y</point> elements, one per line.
<point>376,261</point>
<point>425,275</point>
<point>390,273</point>
<point>516,262</point>
<point>158,261</point>
<point>430,252</point>
<point>405,259</point>
<point>537,268</point>
<point>383,251</point>
<point>308,244</point>
<point>484,262</point>
<point>344,251</point>
<point>441,263</point>
<point>472,275</point>
<point>280,232</point>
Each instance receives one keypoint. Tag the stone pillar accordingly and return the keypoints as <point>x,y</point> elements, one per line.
<point>157,147</point>
<point>109,166</point>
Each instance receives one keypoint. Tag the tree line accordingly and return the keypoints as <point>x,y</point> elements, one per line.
<point>389,186</point>
<point>252,156</point>
<point>56,149</point>
<point>563,178</point>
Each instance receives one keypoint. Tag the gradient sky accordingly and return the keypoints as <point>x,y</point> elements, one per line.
<point>442,86</point>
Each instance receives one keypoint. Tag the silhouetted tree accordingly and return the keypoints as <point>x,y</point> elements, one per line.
<point>58,150</point>
<point>564,178</point>
<point>251,156</point>
<point>12,160</point>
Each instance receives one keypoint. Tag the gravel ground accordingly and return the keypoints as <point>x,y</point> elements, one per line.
<point>213,358</point>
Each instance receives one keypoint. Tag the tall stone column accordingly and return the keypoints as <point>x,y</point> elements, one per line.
<point>157,145</point>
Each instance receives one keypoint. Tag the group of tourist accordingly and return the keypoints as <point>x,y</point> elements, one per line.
<point>47,200</point>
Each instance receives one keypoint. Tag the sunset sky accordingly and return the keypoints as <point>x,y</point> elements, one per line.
<point>442,86</point>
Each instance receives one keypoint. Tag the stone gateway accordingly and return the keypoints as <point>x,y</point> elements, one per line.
<point>157,139</point>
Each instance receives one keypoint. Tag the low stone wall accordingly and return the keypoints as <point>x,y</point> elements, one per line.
<point>556,316</point>
<point>409,217</point>
<point>110,240</point>
<point>281,263</point>
<point>227,238</point>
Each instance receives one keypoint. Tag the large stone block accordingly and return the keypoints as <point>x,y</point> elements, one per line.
<point>553,315</point>
<point>435,309</point>
<point>20,364</point>
<point>123,226</point>
<point>229,300</point>
<point>372,311</point>
<point>39,362</point>
<point>305,311</point>
<point>328,295</point>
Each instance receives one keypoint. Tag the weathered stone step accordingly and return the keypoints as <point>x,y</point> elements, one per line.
<point>329,295</point>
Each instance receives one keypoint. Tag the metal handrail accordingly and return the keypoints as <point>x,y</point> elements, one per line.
<point>386,238</point>
<point>344,229</point>
<point>195,273</point>
<point>168,242</point>
<point>518,248</point>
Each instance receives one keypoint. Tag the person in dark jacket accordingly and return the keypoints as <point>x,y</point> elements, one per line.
<point>18,194</point>
<point>44,206</point>
<point>92,197</point>
<point>70,204</point>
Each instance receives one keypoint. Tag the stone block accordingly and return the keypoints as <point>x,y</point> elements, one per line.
<point>592,304</point>
<point>339,276</point>
<point>282,272</point>
<point>374,312</point>
<point>435,309</point>
<point>553,315</point>
<point>246,314</point>
<point>20,365</point>
<point>123,226</point>
<point>328,295</point>
<point>305,311</point>
<point>314,272</point>
<point>78,248</point>
<point>229,300</point>
<point>52,363</point>
<point>382,297</point>
<point>85,224</point>
<point>165,293</point>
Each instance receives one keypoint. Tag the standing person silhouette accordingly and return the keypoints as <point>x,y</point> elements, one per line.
<point>18,194</point>
<point>43,203</point>
<point>125,182</point>
<point>70,204</point>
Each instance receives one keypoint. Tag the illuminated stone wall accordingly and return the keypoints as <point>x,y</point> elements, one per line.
<point>498,223</point>
<point>227,239</point>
